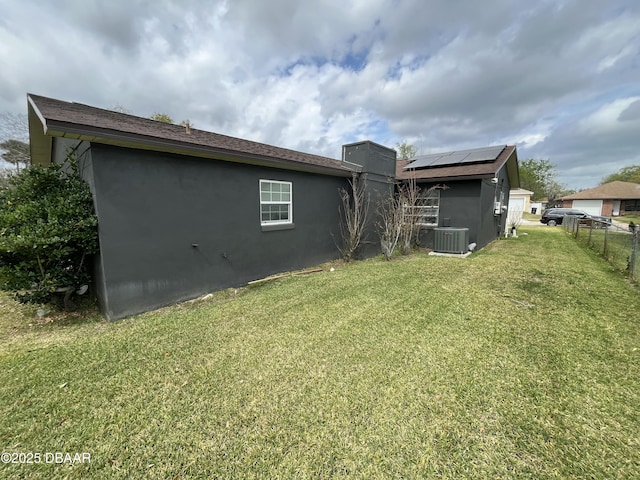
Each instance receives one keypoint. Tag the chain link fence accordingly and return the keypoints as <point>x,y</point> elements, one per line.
<point>618,245</point>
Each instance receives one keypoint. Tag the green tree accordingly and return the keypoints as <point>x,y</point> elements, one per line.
<point>555,191</point>
<point>537,176</point>
<point>16,152</point>
<point>161,117</point>
<point>625,174</point>
<point>48,228</point>
<point>405,150</point>
<point>121,109</point>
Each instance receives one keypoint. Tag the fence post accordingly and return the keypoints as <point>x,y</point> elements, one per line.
<point>634,251</point>
<point>590,230</point>
<point>606,240</point>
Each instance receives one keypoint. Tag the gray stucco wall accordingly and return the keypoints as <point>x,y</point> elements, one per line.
<point>378,165</point>
<point>459,207</point>
<point>459,204</point>
<point>173,227</point>
<point>492,226</point>
<point>469,204</point>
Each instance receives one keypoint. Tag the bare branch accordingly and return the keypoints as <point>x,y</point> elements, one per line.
<point>353,216</point>
<point>390,211</point>
<point>409,196</point>
<point>15,152</point>
<point>15,126</point>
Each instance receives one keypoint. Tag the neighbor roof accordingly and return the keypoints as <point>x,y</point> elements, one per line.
<point>463,171</point>
<point>520,191</point>
<point>609,191</point>
<point>49,117</point>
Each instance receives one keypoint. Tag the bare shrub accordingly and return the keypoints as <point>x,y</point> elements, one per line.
<point>402,215</point>
<point>417,208</point>
<point>409,195</point>
<point>391,213</point>
<point>514,219</point>
<point>353,216</point>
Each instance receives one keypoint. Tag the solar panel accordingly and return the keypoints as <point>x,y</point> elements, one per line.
<point>423,161</point>
<point>451,159</point>
<point>483,154</point>
<point>475,155</point>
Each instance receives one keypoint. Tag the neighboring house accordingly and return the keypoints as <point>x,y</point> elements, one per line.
<point>611,199</point>
<point>539,207</point>
<point>474,191</point>
<point>183,212</point>
<point>520,200</point>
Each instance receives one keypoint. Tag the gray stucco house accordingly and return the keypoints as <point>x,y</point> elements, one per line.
<point>183,212</point>
<point>475,193</point>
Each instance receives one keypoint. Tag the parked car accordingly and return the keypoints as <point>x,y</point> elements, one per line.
<point>554,216</point>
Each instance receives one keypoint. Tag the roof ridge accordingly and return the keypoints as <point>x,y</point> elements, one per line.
<point>79,119</point>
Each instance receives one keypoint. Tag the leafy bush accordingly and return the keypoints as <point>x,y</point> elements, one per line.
<point>48,229</point>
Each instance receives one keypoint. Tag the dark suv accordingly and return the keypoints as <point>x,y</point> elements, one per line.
<point>554,216</point>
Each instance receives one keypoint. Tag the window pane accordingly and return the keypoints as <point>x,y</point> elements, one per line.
<point>283,212</point>
<point>426,211</point>
<point>275,201</point>
<point>274,213</point>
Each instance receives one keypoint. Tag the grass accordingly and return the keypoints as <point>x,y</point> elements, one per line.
<point>534,217</point>
<point>628,218</point>
<point>521,361</point>
<point>614,244</point>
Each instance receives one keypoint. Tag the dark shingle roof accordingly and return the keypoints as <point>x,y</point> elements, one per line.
<point>460,171</point>
<point>75,120</point>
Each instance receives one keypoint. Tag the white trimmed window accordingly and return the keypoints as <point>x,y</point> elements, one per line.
<point>427,209</point>
<point>276,202</point>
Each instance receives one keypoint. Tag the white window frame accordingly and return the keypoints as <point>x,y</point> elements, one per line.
<point>277,196</point>
<point>428,207</point>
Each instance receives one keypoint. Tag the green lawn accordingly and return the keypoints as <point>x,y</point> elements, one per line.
<point>614,244</point>
<point>521,361</point>
<point>635,218</point>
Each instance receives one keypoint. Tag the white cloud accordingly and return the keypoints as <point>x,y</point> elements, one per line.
<point>606,119</point>
<point>559,79</point>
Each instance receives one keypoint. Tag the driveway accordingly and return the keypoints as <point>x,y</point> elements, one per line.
<point>530,223</point>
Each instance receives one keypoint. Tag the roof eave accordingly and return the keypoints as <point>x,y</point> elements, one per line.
<point>512,168</point>
<point>39,138</point>
<point>450,178</point>
<point>143,142</point>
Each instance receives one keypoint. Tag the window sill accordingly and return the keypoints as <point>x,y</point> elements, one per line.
<point>278,226</point>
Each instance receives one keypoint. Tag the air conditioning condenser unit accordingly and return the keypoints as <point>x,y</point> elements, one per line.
<point>451,240</point>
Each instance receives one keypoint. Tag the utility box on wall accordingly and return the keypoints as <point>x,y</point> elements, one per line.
<point>451,240</point>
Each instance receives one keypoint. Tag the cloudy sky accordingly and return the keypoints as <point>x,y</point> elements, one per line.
<point>559,78</point>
